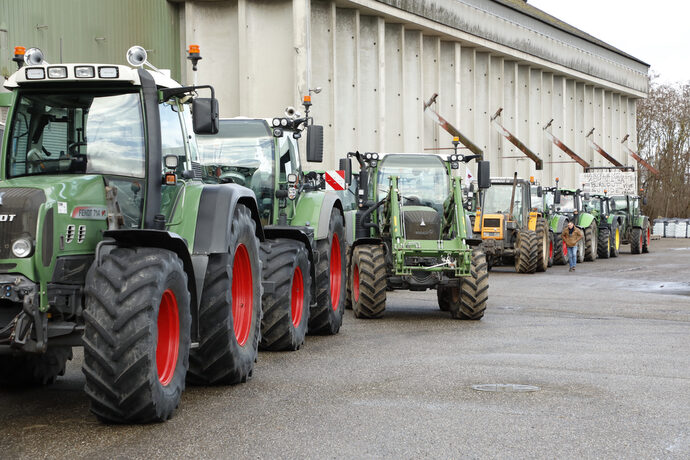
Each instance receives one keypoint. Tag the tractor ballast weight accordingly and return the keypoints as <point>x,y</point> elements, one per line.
<point>412,233</point>
<point>118,244</point>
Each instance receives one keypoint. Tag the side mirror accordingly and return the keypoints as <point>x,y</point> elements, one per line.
<point>644,201</point>
<point>345,164</point>
<point>315,144</point>
<point>540,192</point>
<point>586,196</point>
<point>472,187</point>
<point>557,197</point>
<point>205,115</point>
<point>483,174</point>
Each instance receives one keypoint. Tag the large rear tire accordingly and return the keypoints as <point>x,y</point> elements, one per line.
<point>526,252</point>
<point>543,243</point>
<point>590,243</point>
<point>326,315</point>
<point>34,369</point>
<point>368,281</point>
<point>286,309</point>
<point>636,241</point>
<point>604,243</point>
<point>560,251</point>
<point>230,309</point>
<point>136,335</point>
<point>474,291</point>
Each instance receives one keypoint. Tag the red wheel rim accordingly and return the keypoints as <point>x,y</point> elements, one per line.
<point>242,295</point>
<point>335,275</point>
<point>355,283</point>
<point>649,236</point>
<point>550,249</point>
<point>168,345</point>
<point>565,249</point>
<point>641,240</point>
<point>297,297</point>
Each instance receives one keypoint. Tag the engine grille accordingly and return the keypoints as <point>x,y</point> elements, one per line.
<point>23,204</point>
<point>422,225</point>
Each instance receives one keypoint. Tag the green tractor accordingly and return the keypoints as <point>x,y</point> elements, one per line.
<point>412,233</point>
<point>632,226</point>
<point>112,241</point>
<point>304,251</point>
<point>566,206</point>
<point>608,241</point>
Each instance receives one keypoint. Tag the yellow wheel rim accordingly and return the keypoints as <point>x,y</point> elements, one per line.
<point>618,238</point>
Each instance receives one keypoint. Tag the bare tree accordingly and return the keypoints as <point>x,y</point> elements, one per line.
<point>663,129</point>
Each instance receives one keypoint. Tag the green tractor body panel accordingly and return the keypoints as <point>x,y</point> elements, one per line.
<point>585,219</point>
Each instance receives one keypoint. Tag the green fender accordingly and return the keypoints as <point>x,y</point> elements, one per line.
<point>640,221</point>
<point>313,210</point>
<point>585,220</point>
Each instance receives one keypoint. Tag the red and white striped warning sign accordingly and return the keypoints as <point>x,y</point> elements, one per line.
<point>335,180</point>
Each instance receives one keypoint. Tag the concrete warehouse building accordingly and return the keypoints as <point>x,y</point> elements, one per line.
<point>378,61</point>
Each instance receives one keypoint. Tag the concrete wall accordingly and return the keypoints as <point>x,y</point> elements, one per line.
<point>377,62</point>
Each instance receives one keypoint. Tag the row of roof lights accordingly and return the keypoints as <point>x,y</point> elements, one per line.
<point>80,71</point>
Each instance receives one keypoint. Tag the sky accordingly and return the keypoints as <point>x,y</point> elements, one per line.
<point>656,32</point>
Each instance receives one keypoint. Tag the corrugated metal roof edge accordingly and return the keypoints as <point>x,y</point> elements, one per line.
<point>522,6</point>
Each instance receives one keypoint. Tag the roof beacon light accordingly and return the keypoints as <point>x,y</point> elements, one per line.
<point>19,56</point>
<point>194,55</point>
<point>34,56</point>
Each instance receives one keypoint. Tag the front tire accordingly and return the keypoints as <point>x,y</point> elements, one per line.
<point>286,309</point>
<point>604,243</point>
<point>368,281</point>
<point>326,316</point>
<point>542,233</point>
<point>469,300</point>
<point>636,242</point>
<point>560,250</point>
<point>136,335</point>
<point>526,252</point>
<point>230,309</point>
<point>615,239</point>
<point>590,243</point>
<point>647,239</point>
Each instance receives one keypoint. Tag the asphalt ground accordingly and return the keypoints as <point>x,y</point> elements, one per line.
<point>608,346</point>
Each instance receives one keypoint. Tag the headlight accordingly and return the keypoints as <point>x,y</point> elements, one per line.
<point>22,247</point>
<point>84,72</point>
<point>283,122</point>
<point>57,72</point>
<point>276,122</point>
<point>35,73</point>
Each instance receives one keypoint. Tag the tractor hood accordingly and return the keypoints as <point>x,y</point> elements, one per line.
<point>53,216</point>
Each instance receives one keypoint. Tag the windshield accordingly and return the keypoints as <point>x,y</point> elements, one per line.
<point>594,204</point>
<point>567,203</point>
<point>77,133</point>
<point>497,200</point>
<point>537,201</point>
<point>422,179</point>
<point>619,203</point>
<point>242,153</point>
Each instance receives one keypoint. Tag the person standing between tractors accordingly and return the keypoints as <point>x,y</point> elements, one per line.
<point>570,236</point>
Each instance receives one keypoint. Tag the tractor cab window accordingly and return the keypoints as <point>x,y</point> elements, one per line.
<point>567,203</point>
<point>594,204</point>
<point>422,179</point>
<point>619,203</point>
<point>497,200</point>
<point>172,138</point>
<point>635,206</point>
<point>286,157</point>
<point>537,201</point>
<point>242,153</point>
<point>77,133</point>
